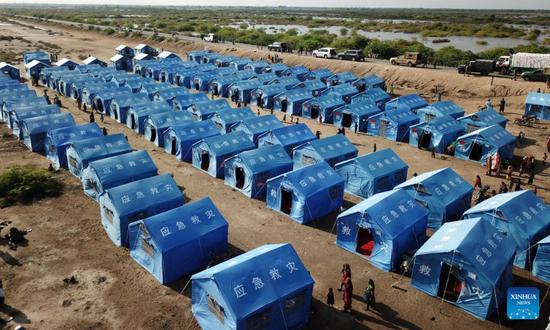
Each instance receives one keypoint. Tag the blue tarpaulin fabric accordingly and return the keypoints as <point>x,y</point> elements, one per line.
<point>355,115</point>
<point>410,102</point>
<point>256,126</point>
<point>343,91</point>
<point>138,114</point>
<point>120,105</point>
<point>183,102</point>
<point>315,86</point>
<point>16,116</point>
<point>383,228</point>
<point>268,287</point>
<point>477,145</point>
<point>291,101</point>
<point>443,192</point>
<point>241,90</point>
<point>538,104</point>
<point>320,74</point>
<point>157,124</point>
<point>482,119</point>
<point>34,130</point>
<point>521,215</point>
<point>322,106</point>
<point>370,174</point>
<point>180,241</point>
<point>135,201</point>
<point>263,95</point>
<point>289,137</point>
<point>341,78</point>
<point>375,95</point>
<point>210,153</point>
<point>436,134</point>
<point>541,264</point>
<point>476,256</point>
<point>393,125</point>
<point>58,140</point>
<point>179,140</point>
<point>207,109</point>
<point>110,172</point>
<point>440,109</point>
<point>307,193</point>
<point>333,149</point>
<point>226,119</point>
<point>249,170</point>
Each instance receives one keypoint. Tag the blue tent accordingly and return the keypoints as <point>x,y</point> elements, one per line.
<point>80,153</point>
<point>333,149</point>
<point>263,95</point>
<point>354,115</point>
<point>239,63</point>
<point>383,228</point>
<point>444,193</point>
<point>120,62</point>
<point>299,71</point>
<point>183,102</point>
<point>150,88</point>
<point>169,94</point>
<point>58,140</point>
<point>393,125</point>
<point>436,134</point>
<point>138,114</point>
<point>538,104</point>
<point>13,104</point>
<point>343,91</point>
<point>249,170</point>
<point>180,241</point>
<point>485,141</point>
<point>137,200</point>
<point>207,109</point>
<point>196,55</point>
<point>369,82</point>
<point>114,171</point>
<point>541,263</point>
<point>38,55</point>
<point>102,99</point>
<point>341,78</point>
<point>34,68</point>
<point>157,124</point>
<point>179,140</point>
<point>34,130</point>
<point>291,101</point>
<point>120,105</point>
<point>226,119</point>
<point>375,95</point>
<point>210,153</point>
<point>482,119</point>
<point>240,90</point>
<point>219,86</point>
<point>467,263</point>
<point>183,77</point>
<point>440,109</point>
<point>276,68</point>
<point>289,136</point>
<point>202,80</point>
<point>315,86</point>
<point>266,288</point>
<point>256,126</point>
<point>410,102</point>
<point>17,115</point>
<point>256,66</point>
<point>89,92</point>
<point>9,70</point>
<point>307,193</point>
<point>286,82</point>
<point>223,61</point>
<point>322,106</point>
<point>370,174</point>
<point>210,58</point>
<point>520,215</point>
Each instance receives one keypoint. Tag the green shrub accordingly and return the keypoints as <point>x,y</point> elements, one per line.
<point>22,184</point>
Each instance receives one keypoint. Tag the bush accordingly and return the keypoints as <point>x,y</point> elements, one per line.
<point>109,31</point>
<point>26,184</point>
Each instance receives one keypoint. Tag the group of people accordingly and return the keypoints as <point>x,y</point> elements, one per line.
<point>346,286</point>
<point>56,99</point>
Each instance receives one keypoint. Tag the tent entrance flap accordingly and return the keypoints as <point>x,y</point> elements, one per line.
<point>365,241</point>
<point>450,285</point>
<point>314,111</point>
<point>286,201</point>
<point>173,149</point>
<point>115,112</point>
<point>73,162</point>
<point>259,100</point>
<point>239,177</point>
<point>383,128</point>
<point>133,121</point>
<point>261,320</point>
<point>284,105</point>
<point>476,152</point>
<point>424,140</point>
<point>109,213</point>
<point>205,160</point>
<point>153,136</point>
<point>90,185</point>
<point>346,120</point>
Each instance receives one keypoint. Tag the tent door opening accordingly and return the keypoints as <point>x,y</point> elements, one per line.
<point>133,121</point>
<point>173,148</point>
<point>449,285</point>
<point>346,120</point>
<point>286,201</point>
<point>314,111</point>
<point>197,86</point>
<point>476,152</point>
<point>115,113</point>
<point>383,128</point>
<point>99,106</point>
<point>365,241</point>
<point>361,87</point>
<point>424,140</point>
<point>239,177</point>
<point>284,105</point>
<point>205,160</point>
<point>259,100</point>
<point>153,136</point>
<point>91,185</point>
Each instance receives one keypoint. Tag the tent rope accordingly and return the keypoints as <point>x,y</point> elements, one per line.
<point>496,303</point>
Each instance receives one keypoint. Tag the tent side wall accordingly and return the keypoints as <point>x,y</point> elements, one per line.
<point>541,263</point>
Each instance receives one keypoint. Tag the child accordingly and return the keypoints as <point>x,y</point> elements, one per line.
<point>330,298</point>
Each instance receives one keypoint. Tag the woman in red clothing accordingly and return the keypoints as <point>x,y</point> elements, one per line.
<point>348,294</point>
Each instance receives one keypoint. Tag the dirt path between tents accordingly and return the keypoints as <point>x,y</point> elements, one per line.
<point>112,291</point>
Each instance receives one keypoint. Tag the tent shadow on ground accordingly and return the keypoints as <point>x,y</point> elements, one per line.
<point>18,315</point>
<point>327,223</point>
<point>324,317</point>
<point>526,143</point>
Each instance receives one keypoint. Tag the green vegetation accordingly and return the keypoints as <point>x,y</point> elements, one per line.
<point>27,184</point>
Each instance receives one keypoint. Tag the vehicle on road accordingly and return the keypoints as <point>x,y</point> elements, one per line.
<point>211,37</point>
<point>324,53</point>
<point>535,75</point>
<point>351,55</point>
<point>481,67</point>
<point>522,62</point>
<point>279,47</point>
<point>410,59</point>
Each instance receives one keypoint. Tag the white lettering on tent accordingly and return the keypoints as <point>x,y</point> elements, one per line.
<point>411,203</point>
<point>239,291</point>
<point>258,283</point>
<point>119,167</point>
<point>195,219</point>
<point>477,291</point>
<point>165,231</point>
<point>402,208</point>
<point>386,219</point>
<point>394,214</point>
<point>346,230</point>
<point>168,187</point>
<point>486,251</point>
<point>303,183</point>
<point>541,206</point>
<point>154,190</point>
<point>497,237</point>
<point>125,199</point>
<point>492,243</point>
<point>140,195</point>
<point>274,274</point>
<point>481,260</point>
<point>291,267</point>
<point>384,247</point>
<point>180,225</point>
<point>209,214</point>
<point>320,175</point>
<point>424,270</point>
<point>519,220</point>
<point>132,163</point>
<point>533,210</point>
<point>273,193</point>
<point>526,215</point>
<point>106,170</point>
<point>311,179</point>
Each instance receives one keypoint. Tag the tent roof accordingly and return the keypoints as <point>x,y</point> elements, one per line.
<point>311,85</point>
<point>342,89</point>
<point>286,81</point>
<point>116,57</point>
<point>141,46</point>
<point>266,77</point>
<point>144,194</point>
<point>386,209</point>
<point>240,60</point>
<point>247,84</point>
<point>297,94</point>
<point>443,124</point>
<point>183,226</point>
<point>170,118</point>
<point>151,108</point>
<point>332,146</point>
<point>542,99</point>
<point>488,116</point>
<point>235,115</point>
<point>195,130</point>
<point>265,158</point>
<point>129,165</point>
<point>34,63</point>
<point>272,89</point>
<point>290,134</point>
<point>277,266</point>
<point>469,237</point>
<point>258,64</point>
<point>312,179</point>
<point>4,64</point>
<point>409,101</point>
<point>327,100</point>
<point>262,123</point>
<point>142,56</point>
<point>400,116</point>
<point>278,67</point>
<point>299,69</point>
<point>229,143</point>
<point>323,72</point>
<point>545,240</point>
<point>361,108</point>
<point>445,108</point>
<point>346,75</point>
<point>380,163</point>
<point>131,99</point>
<point>66,135</point>
<point>211,106</point>
<point>121,47</point>
<point>191,98</point>
<point>495,134</point>
<point>42,124</point>
<point>64,61</point>
<point>373,95</point>
<point>101,145</point>
<point>373,79</point>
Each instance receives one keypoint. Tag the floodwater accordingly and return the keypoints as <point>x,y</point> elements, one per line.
<point>464,43</point>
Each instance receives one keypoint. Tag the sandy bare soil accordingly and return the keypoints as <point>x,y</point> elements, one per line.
<point>113,292</point>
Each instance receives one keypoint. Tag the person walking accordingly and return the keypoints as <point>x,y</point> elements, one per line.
<point>79,103</point>
<point>488,171</point>
<point>348,294</point>
<point>355,127</point>
<point>517,187</point>
<point>92,117</point>
<point>391,89</point>
<point>531,177</point>
<point>509,178</point>
<point>544,158</point>
<point>346,273</point>
<point>104,131</point>
<point>2,297</point>
<point>502,105</point>
<point>369,296</point>
<point>318,134</point>
<point>330,298</point>
<point>503,188</point>
<point>102,117</point>
<point>374,148</point>
<point>477,182</point>
<point>523,165</point>
<point>495,166</point>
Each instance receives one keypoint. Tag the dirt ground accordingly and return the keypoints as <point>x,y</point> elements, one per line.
<point>113,292</point>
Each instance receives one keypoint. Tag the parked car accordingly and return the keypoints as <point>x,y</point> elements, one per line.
<point>535,75</point>
<point>279,47</point>
<point>482,67</point>
<point>324,52</point>
<point>351,55</point>
<point>410,59</point>
<point>211,37</point>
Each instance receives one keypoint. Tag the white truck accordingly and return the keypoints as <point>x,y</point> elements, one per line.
<point>211,37</point>
<point>521,62</point>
